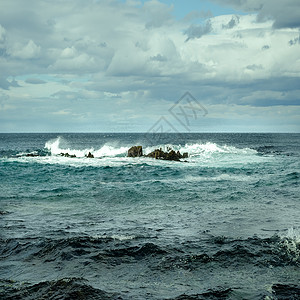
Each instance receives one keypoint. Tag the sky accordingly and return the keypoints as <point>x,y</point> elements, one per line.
<point>157,65</point>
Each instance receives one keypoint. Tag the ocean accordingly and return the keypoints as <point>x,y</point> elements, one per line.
<point>222,224</point>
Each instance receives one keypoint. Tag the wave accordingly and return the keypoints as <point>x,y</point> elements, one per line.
<point>65,288</point>
<point>80,288</point>
<point>274,251</point>
<point>268,252</point>
<point>206,154</point>
<point>205,150</point>
<point>155,256</point>
<point>55,148</point>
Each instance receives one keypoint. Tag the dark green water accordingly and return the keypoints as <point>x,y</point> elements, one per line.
<point>223,225</point>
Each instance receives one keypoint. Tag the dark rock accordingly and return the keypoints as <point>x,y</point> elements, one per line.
<point>185,155</point>
<point>68,155</point>
<point>157,154</point>
<point>169,155</point>
<point>172,155</point>
<point>135,151</point>
<point>90,155</point>
<point>32,155</point>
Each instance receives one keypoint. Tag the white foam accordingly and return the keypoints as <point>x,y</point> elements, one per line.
<point>206,150</point>
<point>292,234</point>
<point>115,237</point>
<point>290,243</point>
<point>105,151</point>
<point>200,154</point>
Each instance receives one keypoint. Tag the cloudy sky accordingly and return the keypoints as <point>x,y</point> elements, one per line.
<point>125,66</point>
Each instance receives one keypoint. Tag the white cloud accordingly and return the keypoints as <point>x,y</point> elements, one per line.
<point>28,51</point>
<point>113,54</point>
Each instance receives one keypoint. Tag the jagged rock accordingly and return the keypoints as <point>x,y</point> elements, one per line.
<point>135,151</point>
<point>185,155</point>
<point>68,155</point>
<point>90,155</point>
<point>170,155</point>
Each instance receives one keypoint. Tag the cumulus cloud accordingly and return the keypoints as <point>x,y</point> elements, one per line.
<point>157,14</point>
<point>135,57</point>
<point>27,51</point>
<point>197,31</point>
<point>232,23</point>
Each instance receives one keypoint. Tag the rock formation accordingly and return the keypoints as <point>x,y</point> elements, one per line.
<point>89,155</point>
<point>135,151</point>
<point>68,155</point>
<point>169,155</point>
<point>32,155</point>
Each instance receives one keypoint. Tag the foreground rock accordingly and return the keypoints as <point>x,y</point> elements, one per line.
<point>67,155</point>
<point>170,155</point>
<point>90,155</point>
<point>32,155</point>
<point>135,151</point>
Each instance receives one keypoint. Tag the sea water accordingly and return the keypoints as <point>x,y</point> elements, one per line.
<point>222,224</point>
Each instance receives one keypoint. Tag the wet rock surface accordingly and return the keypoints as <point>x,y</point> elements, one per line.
<point>89,155</point>
<point>168,155</point>
<point>68,155</point>
<point>135,151</point>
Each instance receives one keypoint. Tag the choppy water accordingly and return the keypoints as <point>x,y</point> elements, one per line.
<point>223,225</point>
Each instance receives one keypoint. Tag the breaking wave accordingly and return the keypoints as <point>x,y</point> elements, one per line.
<point>205,150</point>
<point>55,148</point>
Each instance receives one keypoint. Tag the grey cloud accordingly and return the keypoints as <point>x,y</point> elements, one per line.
<point>14,83</point>
<point>195,14</point>
<point>66,95</point>
<point>197,31</point>
<point>286,14</point>
<point>245,5</point>
<point>158,57</point>
<point>5,84</point>
<point>158,14</point>
<point>254,67</point>
<point>232,23</point>
<point>295,41</point>
<point>35,81</point>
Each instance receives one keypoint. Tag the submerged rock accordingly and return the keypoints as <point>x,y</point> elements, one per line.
<point>135,151</point>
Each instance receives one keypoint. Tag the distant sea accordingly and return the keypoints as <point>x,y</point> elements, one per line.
<point>223,224</point>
